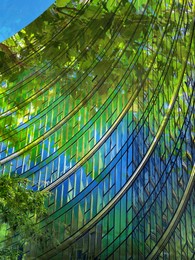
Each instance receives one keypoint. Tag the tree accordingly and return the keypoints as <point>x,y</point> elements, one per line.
<point>20,209</point>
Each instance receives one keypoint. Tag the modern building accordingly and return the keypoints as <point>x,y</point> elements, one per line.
<point>98,107</point>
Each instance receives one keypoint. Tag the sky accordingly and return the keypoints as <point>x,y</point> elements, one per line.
<point>16,14</point>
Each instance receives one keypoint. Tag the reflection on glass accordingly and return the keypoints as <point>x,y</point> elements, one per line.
<point>97,106</point>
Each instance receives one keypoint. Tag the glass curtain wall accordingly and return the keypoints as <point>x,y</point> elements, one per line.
<point>98,107</point>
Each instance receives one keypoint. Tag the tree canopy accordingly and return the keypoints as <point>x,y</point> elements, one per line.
<point>20,209</point>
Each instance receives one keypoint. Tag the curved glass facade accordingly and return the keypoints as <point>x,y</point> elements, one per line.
<point>98,107</point>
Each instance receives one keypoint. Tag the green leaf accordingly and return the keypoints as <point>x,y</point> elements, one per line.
<point>62,3</point>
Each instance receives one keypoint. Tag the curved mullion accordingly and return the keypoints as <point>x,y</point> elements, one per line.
<point>175,220</point>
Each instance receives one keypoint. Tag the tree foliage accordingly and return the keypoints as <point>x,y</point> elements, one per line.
<point>20,209</point>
